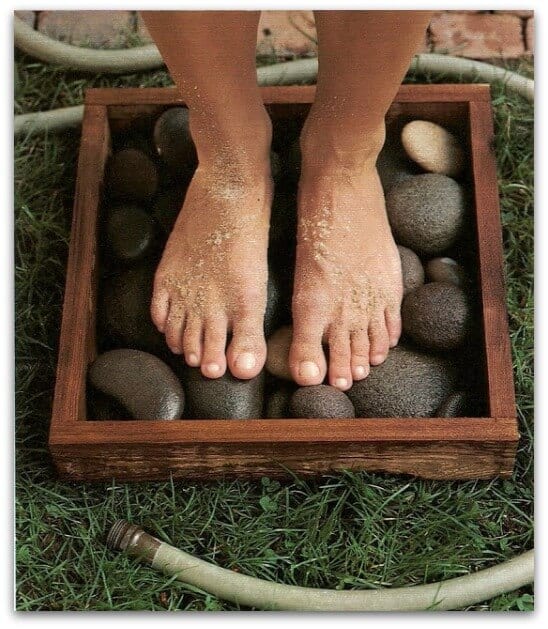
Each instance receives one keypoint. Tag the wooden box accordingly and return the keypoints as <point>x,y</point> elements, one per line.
<point>456,448</point>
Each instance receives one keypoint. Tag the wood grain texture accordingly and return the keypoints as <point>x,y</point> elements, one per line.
<point>146,450</point>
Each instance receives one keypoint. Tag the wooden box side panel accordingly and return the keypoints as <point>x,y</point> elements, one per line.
<point>77,343</point>
<point>499,369</point>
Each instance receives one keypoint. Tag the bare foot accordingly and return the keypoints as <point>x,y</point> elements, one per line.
<point>348,285</point>
<point>213,273</point>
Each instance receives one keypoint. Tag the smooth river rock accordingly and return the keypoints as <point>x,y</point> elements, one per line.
<point>412,269</point>
<point>433,147</point>
<point>321,401</point>
<point>277,357</point>
<point>130,232</point>
<point>226,397</point>
<point>140,382</point>
<point>409,383</point>
<point>445,270</point>
<point>124,310</point>
<point>426,213</point>
<point>174,142</point>
<point>131,176</point>
<point>437,316</point>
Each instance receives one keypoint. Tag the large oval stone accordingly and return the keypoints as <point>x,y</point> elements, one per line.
<point>437,316</point>
<point>166,208</point>
<point>174,142</point>
<point>408,384</point>
<point>130,232</point>
<point>140,382</point>
<point>124,311</point>
<point>226,397</point>
<point>426,213</point>
<point>131,176</point>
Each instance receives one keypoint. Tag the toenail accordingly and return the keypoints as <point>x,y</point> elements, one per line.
<point>341,383</point>
<point>379,358</point>
<point>246,361</point>
<point>175,350</point>
<point>308,369</point>
<point>360,371</point>
<point>193,360</point>
<point>213,368</point>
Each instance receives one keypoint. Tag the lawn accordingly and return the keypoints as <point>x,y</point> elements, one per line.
<point>342,530</point>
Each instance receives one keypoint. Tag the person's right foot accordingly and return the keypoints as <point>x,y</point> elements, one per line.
<point>212,278</point>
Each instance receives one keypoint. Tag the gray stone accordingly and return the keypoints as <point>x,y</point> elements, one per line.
<point>455,405</point>
<point>412,269</point>
<point>131,176</point>
<point>226,397</point>
<point>408,383</point>
<point>393,165</point>
<point>436,316</point>
<point>277,403</point>
<point>174,142</point>
<point>124,312</point>
<point>278,302</point>
<point>445,270</point>
<point>321,401</point>
<point>140,382</point>
<point>426,213</point>
<point>130,232</point>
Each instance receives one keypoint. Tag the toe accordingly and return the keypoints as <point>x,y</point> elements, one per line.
<point>174,330</point>
<point>306,357</point>
<point>393,325</point>
<point>378,340</point>
<point>340,375</point>
<point>192,342</point>
<point>246,353</point>
<point>159,308</point>
<point>214,360</point>
<point>359,362</point>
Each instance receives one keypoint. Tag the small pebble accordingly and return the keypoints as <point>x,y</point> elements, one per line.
<point>131,176</point>
<point>277,357</point>
<point>436,316</point>
<point>130,232</point>
<point>140,382</point>
<point>426,213</point>
<point>445,270</point>
<point>226,397</point>
<point>412,269</point>
<point>433,147</point>
<point>320,401</point>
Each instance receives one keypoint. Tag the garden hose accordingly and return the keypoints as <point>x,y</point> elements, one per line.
<point>147,57</point>
<point>249,591</point>
<point>226,584</point>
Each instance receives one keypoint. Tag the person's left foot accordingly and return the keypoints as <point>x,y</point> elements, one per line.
<point>348,285</point>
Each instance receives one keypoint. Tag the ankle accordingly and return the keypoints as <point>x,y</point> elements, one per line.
<point>331,144</point>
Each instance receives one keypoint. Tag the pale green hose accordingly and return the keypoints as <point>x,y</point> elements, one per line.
<point>451,594</point>
<point>260,594</point>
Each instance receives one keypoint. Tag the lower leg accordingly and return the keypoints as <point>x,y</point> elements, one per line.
<point>212,277</point>
<point>348,285</point>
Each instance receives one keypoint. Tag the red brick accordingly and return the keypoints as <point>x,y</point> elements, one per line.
<point>95,29</point>
<point>530,35</point>
<point>142,31</point>
<point>287,34</point>
<point>477,36</point>
<point>29,17</point>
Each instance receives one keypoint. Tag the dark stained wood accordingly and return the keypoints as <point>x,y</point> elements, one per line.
<point>147,450</point>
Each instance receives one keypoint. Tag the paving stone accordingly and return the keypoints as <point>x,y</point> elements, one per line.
<point>93,29</point>
<point>29,17</point>
<point>530,36</point>
<point>287,34</point>
<point>479,36</point>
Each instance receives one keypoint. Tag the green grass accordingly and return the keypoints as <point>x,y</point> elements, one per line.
<point>344,530</point>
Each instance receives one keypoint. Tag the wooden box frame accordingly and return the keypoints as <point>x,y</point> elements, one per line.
<point>456,448</point>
